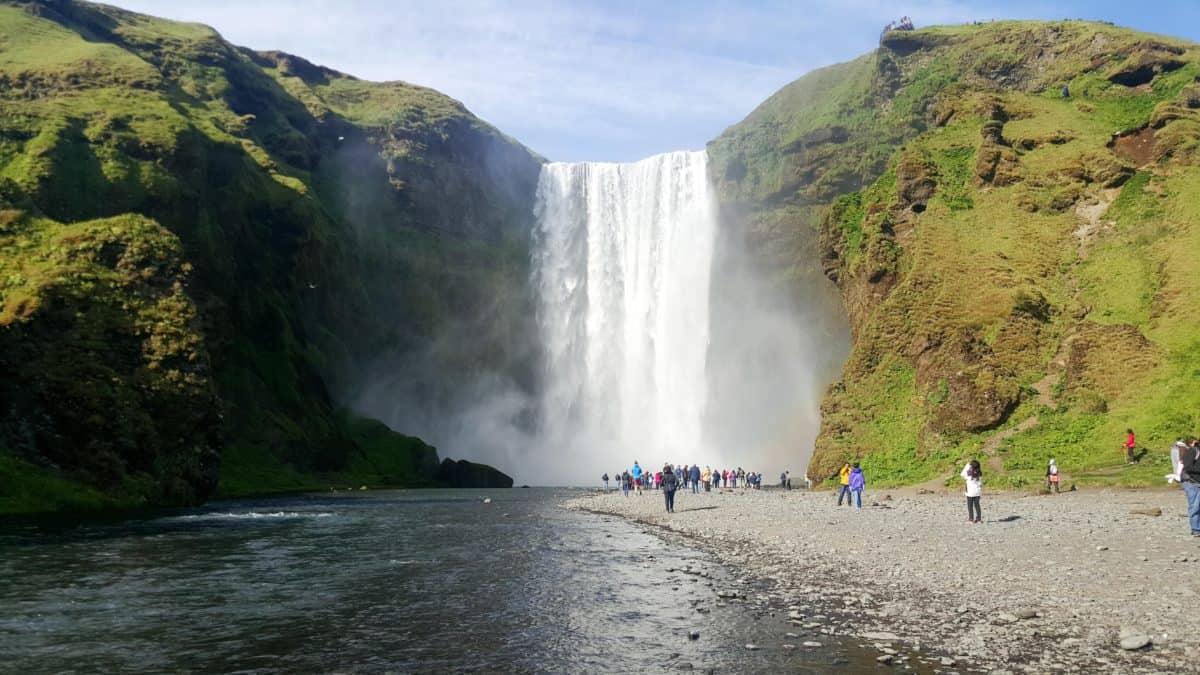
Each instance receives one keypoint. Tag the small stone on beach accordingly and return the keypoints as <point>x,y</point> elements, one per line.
<point>1135,642</point>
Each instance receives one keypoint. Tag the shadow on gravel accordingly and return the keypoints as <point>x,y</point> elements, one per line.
<point>1007,519</point>
<point>699,508</point>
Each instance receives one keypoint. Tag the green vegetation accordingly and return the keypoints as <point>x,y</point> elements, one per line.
<point>1002,307</point>
<point>199,244</point>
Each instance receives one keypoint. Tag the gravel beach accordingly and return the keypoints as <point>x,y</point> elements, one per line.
<point>1076,582</point>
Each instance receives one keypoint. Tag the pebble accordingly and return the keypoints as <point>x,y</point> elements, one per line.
<point>915,580</point>
<point>751,646</point>
<point>1135,642</point>
<point>886,658</point>
<point>694,635</point>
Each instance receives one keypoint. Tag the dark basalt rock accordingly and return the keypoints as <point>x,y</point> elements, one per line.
<point>464,474</point>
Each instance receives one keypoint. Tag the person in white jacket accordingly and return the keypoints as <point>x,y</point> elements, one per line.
<point>1177,451</point>
<point>972,473</point>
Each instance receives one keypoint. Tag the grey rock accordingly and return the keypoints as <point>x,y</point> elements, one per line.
<point>694,635</point>
<point>882,636</point>
<point>1135,642</point>
<point>812,644</point>
<point>886,658</point>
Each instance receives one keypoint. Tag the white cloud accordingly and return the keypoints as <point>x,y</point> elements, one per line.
<point>607,81</point>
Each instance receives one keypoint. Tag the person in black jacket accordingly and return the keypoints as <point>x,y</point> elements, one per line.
<point>1191,483</point>
<point>669,483</point>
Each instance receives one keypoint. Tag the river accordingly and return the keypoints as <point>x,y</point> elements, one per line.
<point>381,581</point>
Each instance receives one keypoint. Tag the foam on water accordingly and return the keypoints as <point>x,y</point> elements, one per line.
<point>253,515</point>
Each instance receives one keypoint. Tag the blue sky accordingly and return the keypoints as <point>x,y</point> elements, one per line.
<point>616,80</point>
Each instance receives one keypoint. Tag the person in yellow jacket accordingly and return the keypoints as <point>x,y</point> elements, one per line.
<point>844,482</point>
<point>706,478</point>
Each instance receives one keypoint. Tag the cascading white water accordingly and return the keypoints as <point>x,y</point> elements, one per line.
<point>622,262</point>
<point>665,338</point>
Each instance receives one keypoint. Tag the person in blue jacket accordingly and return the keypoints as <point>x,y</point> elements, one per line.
<point>636,472</point>
<point>857,482</point>
<point>695,478</point>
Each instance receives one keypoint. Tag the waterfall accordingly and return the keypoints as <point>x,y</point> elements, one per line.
<point>622,266</point>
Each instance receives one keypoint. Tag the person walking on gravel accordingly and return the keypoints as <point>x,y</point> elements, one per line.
<point>857,482</point>
<point>972,473</point>
<point>1191,484</point>
<point>669,483</point>
<point>1052,477</point>
<point>844,483</point>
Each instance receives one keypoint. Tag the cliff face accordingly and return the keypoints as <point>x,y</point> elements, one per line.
<point>1013,262</point>
<point>198,242</point>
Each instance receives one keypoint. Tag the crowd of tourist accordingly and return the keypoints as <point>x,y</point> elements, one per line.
<point>680,476</point>
<point>851,480</point>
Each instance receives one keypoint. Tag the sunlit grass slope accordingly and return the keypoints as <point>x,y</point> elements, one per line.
<point>1015,263</point>
<point>200,243</point>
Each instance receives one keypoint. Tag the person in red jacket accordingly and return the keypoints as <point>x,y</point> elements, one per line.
<point>1130,446</point>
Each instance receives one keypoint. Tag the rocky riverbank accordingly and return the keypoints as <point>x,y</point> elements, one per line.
<point>1077,582</point>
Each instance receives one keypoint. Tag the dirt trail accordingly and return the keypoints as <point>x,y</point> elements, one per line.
<point>1090,212</point>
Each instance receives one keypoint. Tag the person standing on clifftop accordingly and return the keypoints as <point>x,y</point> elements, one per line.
<point>972,473</point>
<point>694,477</point>
<point>636,472</point>
<point>668,487</point>
<point>626,482</point>
<point>605,479</point>
<point>1130,445</point>
<point>1052,476</point>
<point>857,482</point>
<point>1190,475</point>
<point>844,484</point>
<point>706,478</point>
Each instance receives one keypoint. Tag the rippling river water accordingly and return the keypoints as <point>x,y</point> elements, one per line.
<point>383,581</point>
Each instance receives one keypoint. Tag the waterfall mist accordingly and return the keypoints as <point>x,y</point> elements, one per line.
<point>647,326</point>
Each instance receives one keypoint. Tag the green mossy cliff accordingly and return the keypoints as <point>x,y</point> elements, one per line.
<point>198,242</point>
<point>1016,265</point>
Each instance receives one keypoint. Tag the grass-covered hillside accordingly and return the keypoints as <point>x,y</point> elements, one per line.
<point>198,241</point>
<point>1017,265</point>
